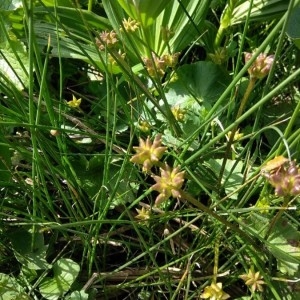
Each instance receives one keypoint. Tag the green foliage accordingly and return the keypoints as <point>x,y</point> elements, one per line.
<point>144,11</point>
<point>29,249</point>
<point>10,289</point>
<point>169,82</point>
<point>5,163</point>
<point>65,272</point>
<point>293,26</point>
<point>260,10</point>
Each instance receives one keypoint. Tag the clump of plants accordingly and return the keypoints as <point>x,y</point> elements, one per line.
<point>149,149</point>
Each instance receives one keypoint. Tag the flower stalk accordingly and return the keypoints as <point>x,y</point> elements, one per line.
<point>258,70</point>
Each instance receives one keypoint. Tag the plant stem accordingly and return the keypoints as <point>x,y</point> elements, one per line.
<point>245,99</point>
<point>278,215</point>
<point>90,5</point>
<point>198,204</point>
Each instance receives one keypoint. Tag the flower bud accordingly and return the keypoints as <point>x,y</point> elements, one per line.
<point>261,66</point>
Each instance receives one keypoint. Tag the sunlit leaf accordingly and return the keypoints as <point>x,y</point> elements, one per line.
<point>10,289</point>
<point>65,272</point>
<point>284,244</point>
<point>29,249</point>
<point>293,26</point>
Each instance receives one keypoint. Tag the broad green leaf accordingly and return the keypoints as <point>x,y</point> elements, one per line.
<point>203,80</point>
<point>261,10</point>
<point>75,21</point>
<point>10,289</point>
<point>78,295</point>
<point>29,249</point>
<point>293,26</point>
<point>233,176</point>
<point>10,4</point>
<point>14,63</point>
<point>90,177</point>
<point>65,272</point>
<point>144,11</point>
<point>76,47</point>
<point>89,173</point>
<point>285,246</point>
<point>282,242</point>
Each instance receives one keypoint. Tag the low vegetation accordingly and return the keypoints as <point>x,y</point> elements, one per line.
<point>149,149</point>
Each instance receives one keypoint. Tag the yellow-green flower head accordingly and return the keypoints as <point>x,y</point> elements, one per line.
<point>178,113</point>
<point>144,126</point>
<point>107,39</point>
<point>166,33</point>
<point>168,184</point>
<point>214,292</point>
<point>130,25</point>
<point>261,66</point>
<point>254,280</point>
<point>220,56</point>
<point>111,59</point>
<point>155,65</point>
<point>143,215</point>
<point>148,153</point>
<point>74,103</point>
<point>237,135</point>
<point>170,60</point>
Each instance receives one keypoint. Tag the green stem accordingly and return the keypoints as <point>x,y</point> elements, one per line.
<point>278,215</point>
<point>90,5</point>
<point>198,204</point>
<point>244,101</point>
<point>219,37</point>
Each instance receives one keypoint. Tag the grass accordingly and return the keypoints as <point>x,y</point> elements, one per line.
<point>147,159</point>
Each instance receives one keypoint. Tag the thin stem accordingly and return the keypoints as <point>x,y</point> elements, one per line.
<point>90,5</point>
<point>245,99</point>
<point>198,204</point>
<point>278,215</point>
<point>216,259</point>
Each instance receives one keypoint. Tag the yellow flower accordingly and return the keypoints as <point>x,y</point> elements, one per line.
<point>168,184</point>
<point>214,292</point>
<point>130,25</point>
<point>178,113</point>
<point>74,103</point>
<point>112,60</point>
<point>264,204</point>
<point>237,135</point>
<point>148,154</point>
<point>254,280</point>
<point>220,56</point>
<point>144,126</point>
<point>171,59</point>
<point>143,215</point>
<point>155,65</point>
